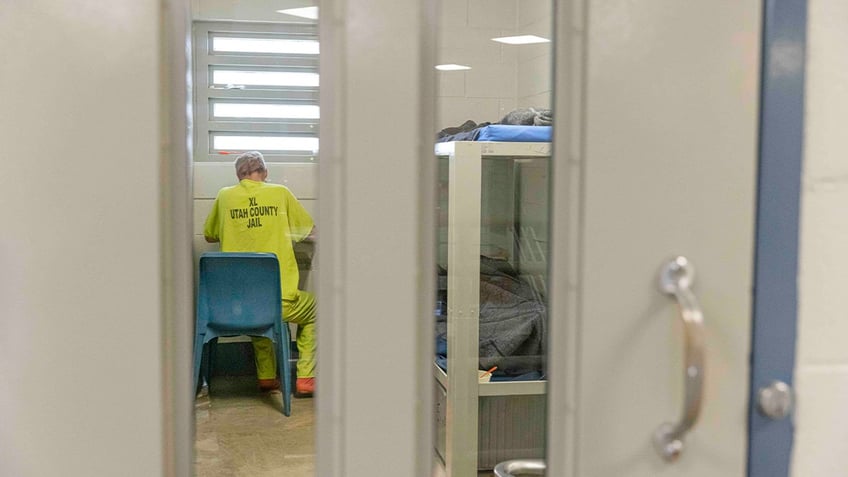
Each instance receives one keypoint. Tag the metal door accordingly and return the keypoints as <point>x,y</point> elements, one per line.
<point>658,161</point>
<point>655,157</point>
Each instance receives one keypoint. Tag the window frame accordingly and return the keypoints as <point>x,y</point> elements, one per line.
<point>206,94</point>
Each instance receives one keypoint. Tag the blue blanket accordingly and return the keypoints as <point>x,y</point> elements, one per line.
<point>502,133</point>
<point>508,133</point>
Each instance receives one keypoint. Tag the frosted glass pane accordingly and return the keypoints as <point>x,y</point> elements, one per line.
<point>264,45</point>
<point>270,111</point>
<point>264,143</point>
<point>264,78</point>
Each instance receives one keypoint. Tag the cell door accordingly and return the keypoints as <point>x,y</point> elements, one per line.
<point>651,223</point>
<point>654,238</point>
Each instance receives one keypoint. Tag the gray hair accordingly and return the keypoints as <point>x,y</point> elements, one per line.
<point>248,163</point>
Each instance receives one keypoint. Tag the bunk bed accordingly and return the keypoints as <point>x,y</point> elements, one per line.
<point>481,411</point>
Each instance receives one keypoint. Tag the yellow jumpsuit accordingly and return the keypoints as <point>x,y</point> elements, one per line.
<point>257,216</point>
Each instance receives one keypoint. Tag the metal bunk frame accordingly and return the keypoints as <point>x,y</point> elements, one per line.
<point>462,391</point>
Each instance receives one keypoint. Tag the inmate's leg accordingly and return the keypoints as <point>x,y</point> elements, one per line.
<point>302,312</point>
<point>266,361</point>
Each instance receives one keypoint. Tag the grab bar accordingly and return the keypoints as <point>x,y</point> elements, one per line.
<point>512,468</point>
<point>676,278</point>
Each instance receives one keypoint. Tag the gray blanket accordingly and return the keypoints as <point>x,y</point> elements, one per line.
<point>513,323</point>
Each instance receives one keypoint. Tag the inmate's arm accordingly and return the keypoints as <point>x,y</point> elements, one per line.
<point>211,227</point>
<point>313,235</point>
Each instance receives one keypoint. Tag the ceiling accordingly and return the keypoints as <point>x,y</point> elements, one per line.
<point>248,10</point>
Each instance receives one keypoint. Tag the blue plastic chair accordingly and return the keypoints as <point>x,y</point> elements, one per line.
<point>239,294</point>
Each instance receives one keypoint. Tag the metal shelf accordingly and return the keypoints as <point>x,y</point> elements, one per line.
<point>498,149</point>
<point>497,388</point>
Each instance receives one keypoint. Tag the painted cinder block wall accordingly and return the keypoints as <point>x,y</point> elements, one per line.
<point>821,374</point>
<point>502,77</point>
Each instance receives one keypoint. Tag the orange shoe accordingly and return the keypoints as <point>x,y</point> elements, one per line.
<point>304,387</point>
<point>269,385</point>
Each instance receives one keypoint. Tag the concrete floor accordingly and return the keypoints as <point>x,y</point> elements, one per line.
<point>242,432</point>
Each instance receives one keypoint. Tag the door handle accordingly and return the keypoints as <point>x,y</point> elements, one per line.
<point>513,468</point>
<point>676,279</point>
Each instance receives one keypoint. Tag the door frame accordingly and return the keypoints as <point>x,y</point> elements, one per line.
<point>774,332</point>
<point>564,253</point>
<point>175,240</point>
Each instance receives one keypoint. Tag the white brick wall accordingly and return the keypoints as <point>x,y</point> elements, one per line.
<point>503,77</point>
<point>487,91</point>
<point>535,61</point>
<point>821,374</point>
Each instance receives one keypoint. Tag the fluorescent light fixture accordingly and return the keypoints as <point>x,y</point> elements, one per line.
<point>305,12</point>
<point>521,40</point>
<point>452,67</point>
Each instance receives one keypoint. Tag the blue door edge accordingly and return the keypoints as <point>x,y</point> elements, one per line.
<point>775,299</point>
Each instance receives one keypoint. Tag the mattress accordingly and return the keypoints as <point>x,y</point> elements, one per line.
<point>509,133</point>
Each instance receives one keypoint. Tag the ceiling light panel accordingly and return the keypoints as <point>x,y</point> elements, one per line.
<point>305,12</point>
<point>521,40</point>
<point>452,67</point>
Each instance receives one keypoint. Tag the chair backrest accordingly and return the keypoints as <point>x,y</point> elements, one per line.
<point>239,291</point>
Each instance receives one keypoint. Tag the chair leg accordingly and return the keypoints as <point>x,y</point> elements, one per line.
<point>282,347</point>
<point>198,355</point>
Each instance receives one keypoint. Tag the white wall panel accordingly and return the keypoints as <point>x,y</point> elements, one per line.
<point>454,13</point>
<point>541,100</point>
<point>491,80</point>
<point>301,179</point>
<point>455,111</point>
<point>824,275</point>
<point>471,44</point>
<point>202,207</point>
<point>532,11</point>
<point>536,50</point>
<point>492,13</point>
<point>826,144</point>
<point>534,76</point>
<point>540,28</point>
<point>451,83</point>
<point>821,433</point>
<point>535,61</point>
<point>821,375</point>
<point>200,246</point>
<point>465,38</point>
